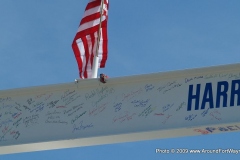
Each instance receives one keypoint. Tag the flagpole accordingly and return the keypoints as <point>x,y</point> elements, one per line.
<point>96,58</point>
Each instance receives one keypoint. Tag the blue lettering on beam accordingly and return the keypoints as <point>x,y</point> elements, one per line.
<point>221,93</point>
<point>234,92</point>
<point>208,96</point>
<point>191,97</point>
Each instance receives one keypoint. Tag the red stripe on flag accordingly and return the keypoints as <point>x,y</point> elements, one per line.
<point>93,4</point>
<point>93,39</point>
<point>90,18</point>
<point>77,56</point>
<point>87,32</point>
<point>105,49</point>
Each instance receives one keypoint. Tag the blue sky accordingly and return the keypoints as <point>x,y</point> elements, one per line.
<point>144,37</point>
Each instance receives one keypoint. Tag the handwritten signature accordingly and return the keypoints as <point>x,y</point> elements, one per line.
<point>81,126</point>
<point>140,103</point>
<point>126,116</point>
<point>149,87</point>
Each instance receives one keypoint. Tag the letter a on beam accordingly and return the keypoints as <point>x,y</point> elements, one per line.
<point>207,96</point>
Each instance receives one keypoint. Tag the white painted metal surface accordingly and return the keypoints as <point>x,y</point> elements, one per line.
<point>160,105</point>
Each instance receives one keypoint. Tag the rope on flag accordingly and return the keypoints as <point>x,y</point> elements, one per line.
<point>85,42</point>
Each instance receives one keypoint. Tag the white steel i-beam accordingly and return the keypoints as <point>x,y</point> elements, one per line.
<point>152,106</point>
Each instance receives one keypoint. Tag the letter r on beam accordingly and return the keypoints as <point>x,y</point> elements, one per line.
<point>234,92</point>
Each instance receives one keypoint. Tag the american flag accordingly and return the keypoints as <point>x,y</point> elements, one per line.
<point>85,42</point>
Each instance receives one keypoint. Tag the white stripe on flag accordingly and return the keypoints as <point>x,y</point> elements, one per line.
<point>95,43</point>
<point>91,11</point>
<point>90,24</point>
<point>94,10</point>
<point>100,49</point>
<point>89,65</point>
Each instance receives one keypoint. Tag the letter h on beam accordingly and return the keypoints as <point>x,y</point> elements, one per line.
<point>192,97</point>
